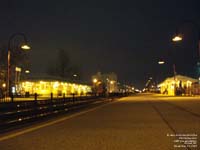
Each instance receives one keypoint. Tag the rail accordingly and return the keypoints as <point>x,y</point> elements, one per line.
<point>13,114</point>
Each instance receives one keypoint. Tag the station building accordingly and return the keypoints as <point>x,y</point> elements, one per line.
<point>177,85</point>
<point>58,87</point>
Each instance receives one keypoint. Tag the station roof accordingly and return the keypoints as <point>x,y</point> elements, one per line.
<point>44,77</point>
<point>179,78</point>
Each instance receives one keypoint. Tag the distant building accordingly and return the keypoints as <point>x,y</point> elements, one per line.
<point>178,85</point>
<point>2,76</point>
<point>105,83</point>
<point>2,83</point>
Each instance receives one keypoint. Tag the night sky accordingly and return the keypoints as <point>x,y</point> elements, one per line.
<point>125,37</point>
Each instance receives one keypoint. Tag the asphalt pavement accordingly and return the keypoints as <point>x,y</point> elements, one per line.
<point>142,122</point>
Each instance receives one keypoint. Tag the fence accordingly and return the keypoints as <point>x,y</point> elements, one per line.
<point>17,113</point>
<point>39,97</point>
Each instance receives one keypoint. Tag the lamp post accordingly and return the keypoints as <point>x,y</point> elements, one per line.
<point>95,80</point>
<point>24,46</point>
<point>162,62</point>
<point>178,38</point>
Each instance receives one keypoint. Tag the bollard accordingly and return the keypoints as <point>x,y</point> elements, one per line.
<point>12,97</point>
<point>73,98</point>
<point>51,96</point>
<point>35,96</point>
<point>35,100</point>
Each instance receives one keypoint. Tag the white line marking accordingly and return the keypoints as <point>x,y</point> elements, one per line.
<point>51,123</point>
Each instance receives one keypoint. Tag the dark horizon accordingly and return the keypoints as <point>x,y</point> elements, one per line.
<point>127,38</point>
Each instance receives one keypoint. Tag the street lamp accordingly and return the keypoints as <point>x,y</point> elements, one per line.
<point>24,47</point>
<point>161,62</point>
<point>95,80</point>
<point>111,86</point>
<point>27,71</point>
<point>178,38</point>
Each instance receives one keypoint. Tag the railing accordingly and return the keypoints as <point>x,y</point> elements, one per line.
<point>17,113</point>
<point>38,97</point>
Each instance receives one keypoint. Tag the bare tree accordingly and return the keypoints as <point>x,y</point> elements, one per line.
<point>63,63</point>
<point>62,67</point>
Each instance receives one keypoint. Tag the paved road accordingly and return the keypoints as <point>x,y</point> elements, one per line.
<point>144,122</point>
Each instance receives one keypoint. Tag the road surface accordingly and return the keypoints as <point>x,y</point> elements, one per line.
<point>142,122</point>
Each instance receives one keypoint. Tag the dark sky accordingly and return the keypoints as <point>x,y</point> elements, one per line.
<point>125,37</point>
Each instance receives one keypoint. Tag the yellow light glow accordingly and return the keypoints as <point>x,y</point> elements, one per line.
<point>27,71</point>
<point>55,85</point>
<point>112,82</point>
<point>44,88</point>
<point>25,47</point>
<point>3,85</point>
<point>177,38</point>
<point>42,82</point>
<point>95,80</point>
<point>72,90</point>
<point>18,69</point>
<point>161,62</point>
<point>189,83</point>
